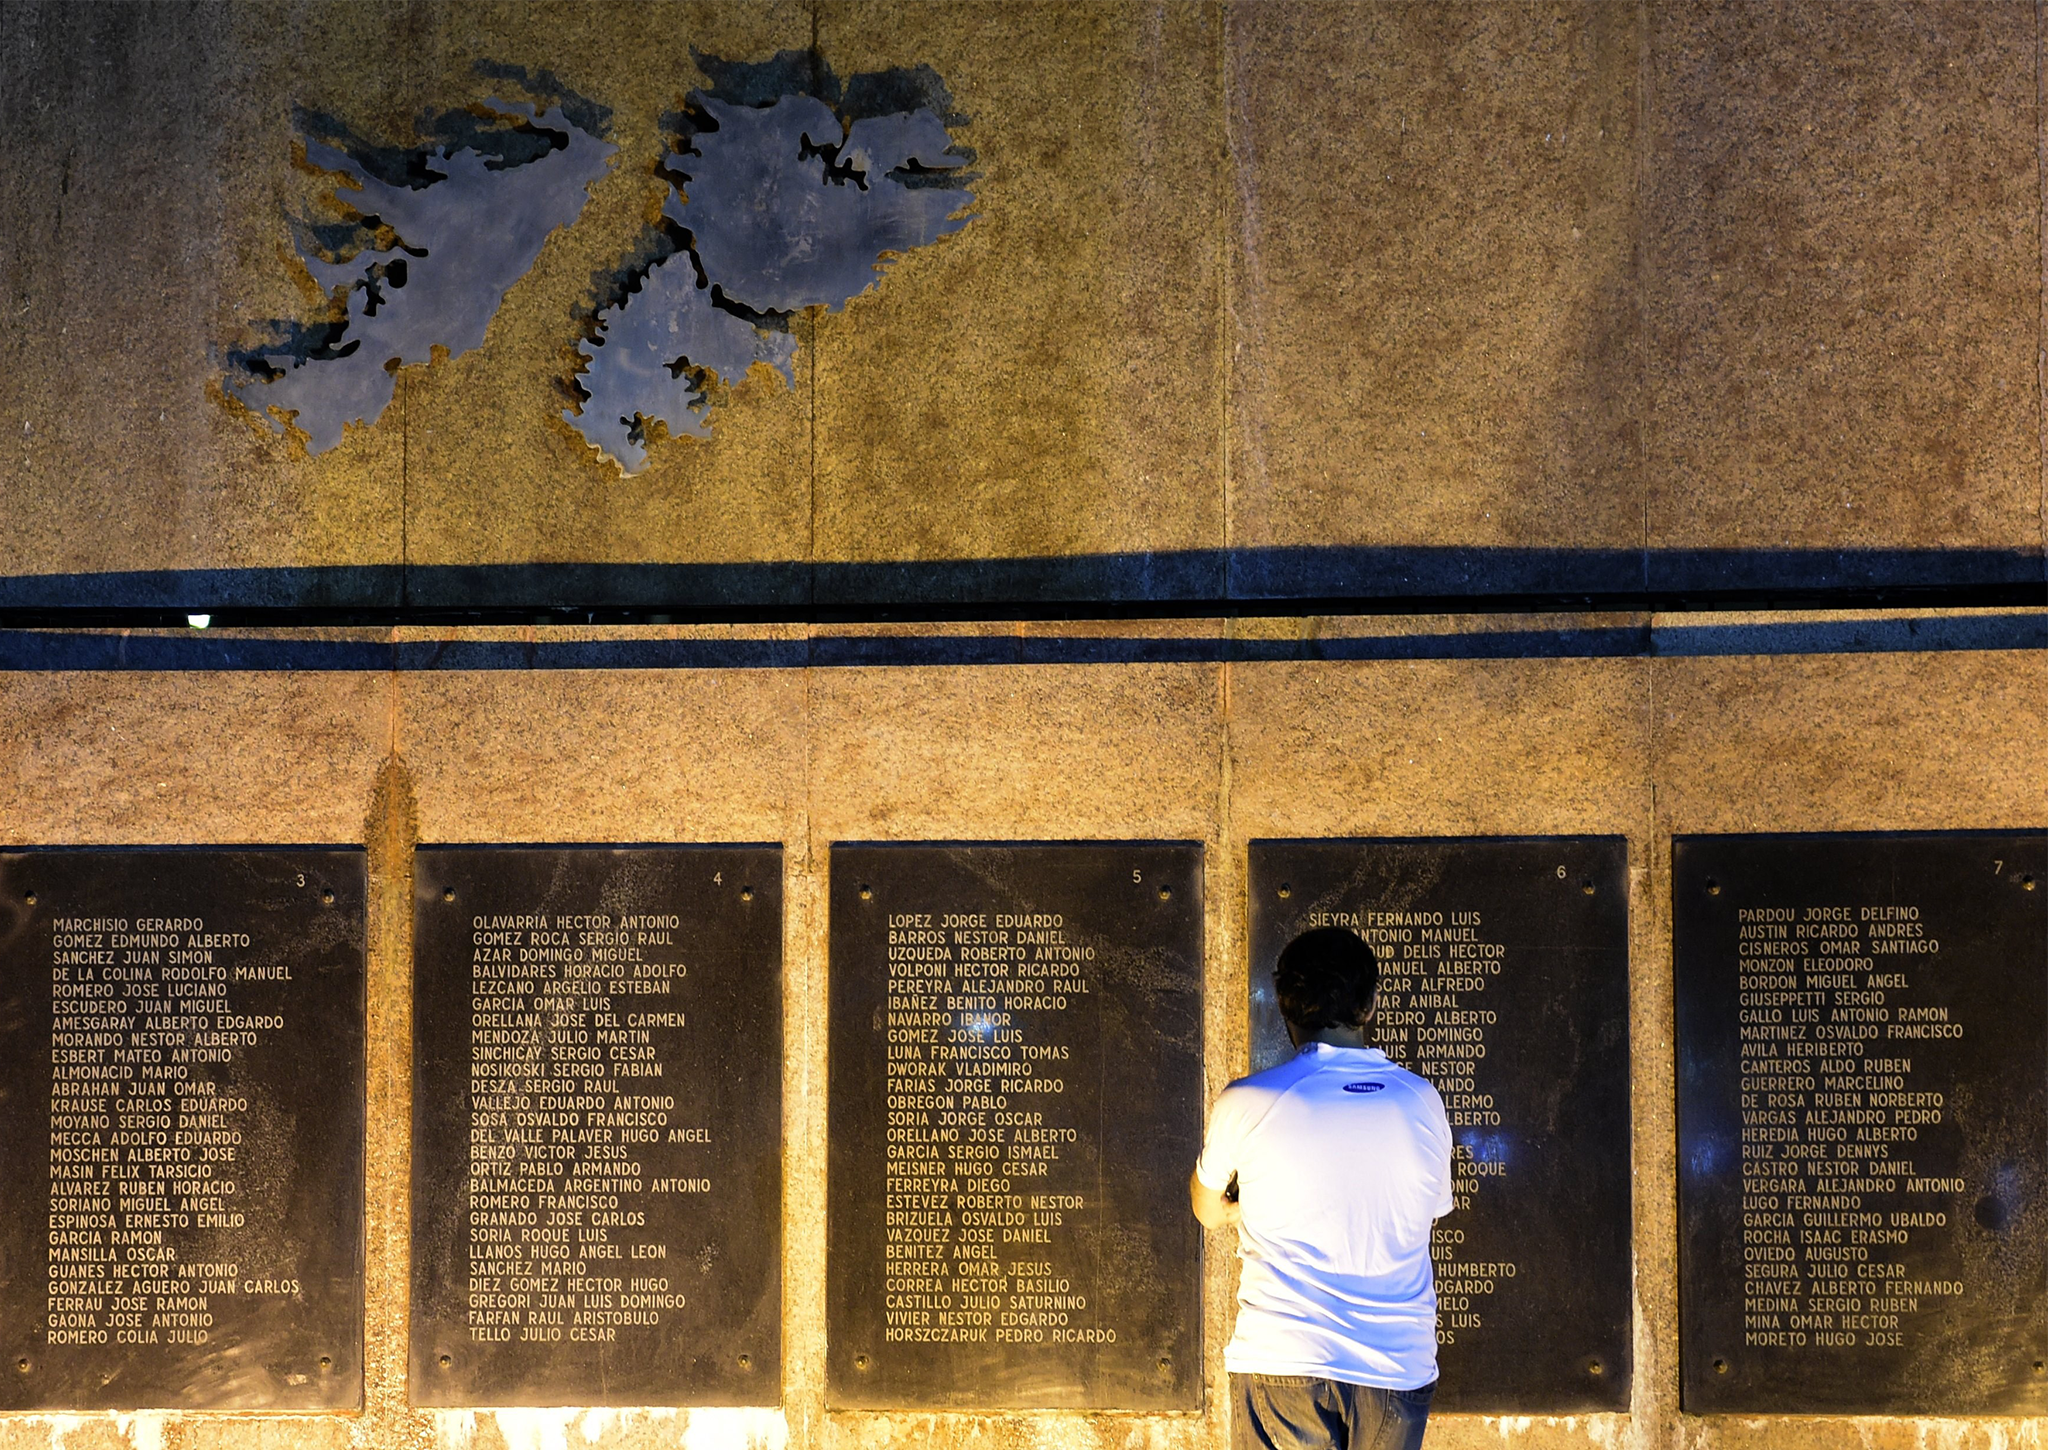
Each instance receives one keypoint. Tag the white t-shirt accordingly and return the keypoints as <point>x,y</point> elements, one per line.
<point>1343,1164</point>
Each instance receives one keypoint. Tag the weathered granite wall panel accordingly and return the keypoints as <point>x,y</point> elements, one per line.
<point>1046,381</point>
<point>92,759</point>
<point>1842,237</point>
<point>147,759</point>
<point>598,755</point>
<point>1434,305</point>
<point>143,215</point>
<point>496,474</point>
<point>1268,297</point>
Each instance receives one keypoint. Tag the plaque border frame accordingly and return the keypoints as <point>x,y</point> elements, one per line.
<point>1636,1320</point>
<point>1684,1248</point>
<point>1199,1271</point>
<point>780,1019</point>
<point>357,1333</point>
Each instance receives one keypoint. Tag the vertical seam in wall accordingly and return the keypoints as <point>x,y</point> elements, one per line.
<point>1639,227</point>
<point>1647,1394</point>
<point>804,1371</point>
<point>1649,1368</point>
<point>811,424</point>
<point>1236,923</point>
<point>394,769</point>
<point>404,557</point>
<point>1226,275</point>
<point>391,696</point>
<point>811,473</point>
<point>1231,912</point>
<point>2041,297</point>
<point>1225,819</point>
<point>1229,196</point>
<point>404,491</point>
<point>1226,215</point>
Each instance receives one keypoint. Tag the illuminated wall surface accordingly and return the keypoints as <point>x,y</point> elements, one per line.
<point>775,436</point>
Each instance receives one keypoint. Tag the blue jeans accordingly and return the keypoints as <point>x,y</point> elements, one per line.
<point>1301,1412</point>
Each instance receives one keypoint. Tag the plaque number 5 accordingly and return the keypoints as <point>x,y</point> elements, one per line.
<point>1137,875</point>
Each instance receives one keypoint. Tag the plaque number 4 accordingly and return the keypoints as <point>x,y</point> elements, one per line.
<point>718,878</point>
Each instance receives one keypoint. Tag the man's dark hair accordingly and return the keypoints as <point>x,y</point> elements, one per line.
<point>1326,978</point>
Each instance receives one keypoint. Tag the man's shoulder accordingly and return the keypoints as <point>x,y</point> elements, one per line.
<point>1382,1072</point>
<point>1283,1077</point>
<point>1272,1081</point>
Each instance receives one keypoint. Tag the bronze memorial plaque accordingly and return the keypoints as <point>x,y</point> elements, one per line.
<point>1862,1119</point>
<point>597,1125</point>
<point>1504,981</point>
<point>181,1128</point>
<point>1016,1104</point>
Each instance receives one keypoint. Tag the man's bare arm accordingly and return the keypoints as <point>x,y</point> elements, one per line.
<point>1211,1207</point>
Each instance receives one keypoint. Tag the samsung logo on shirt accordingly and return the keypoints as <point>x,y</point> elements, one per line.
<point>1363,1087</point>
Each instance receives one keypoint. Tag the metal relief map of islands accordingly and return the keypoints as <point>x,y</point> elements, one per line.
<point>788,188</point>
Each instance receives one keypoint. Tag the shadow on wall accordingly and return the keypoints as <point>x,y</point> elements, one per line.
<point>1193,582</point>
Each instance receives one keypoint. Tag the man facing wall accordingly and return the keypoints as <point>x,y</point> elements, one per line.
<point>1333,1167</point>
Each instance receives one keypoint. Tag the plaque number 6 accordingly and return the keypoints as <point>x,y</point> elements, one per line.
<point>1560,873</point>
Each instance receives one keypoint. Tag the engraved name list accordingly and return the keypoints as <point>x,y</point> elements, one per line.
<point>583,1160</point>
<point>987,1018</point>
<point>1861,1120</point>
<point>202,1075</point>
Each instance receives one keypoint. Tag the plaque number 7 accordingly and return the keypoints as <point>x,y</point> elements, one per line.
<point>1997,866</point>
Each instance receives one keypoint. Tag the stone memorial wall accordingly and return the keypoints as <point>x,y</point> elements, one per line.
<point>1389,452</point>
<point>1335,779</point>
